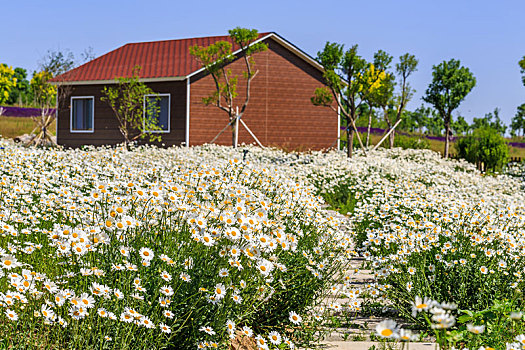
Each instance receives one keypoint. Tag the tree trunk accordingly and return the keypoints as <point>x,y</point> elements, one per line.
<point>349,140</point>
<point>233,136</point>
<point>391,138</point>
<point>447,136</point>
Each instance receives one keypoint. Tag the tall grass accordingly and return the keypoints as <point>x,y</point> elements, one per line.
<point>11,127</point>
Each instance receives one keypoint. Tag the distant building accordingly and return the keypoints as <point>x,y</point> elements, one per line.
<point>279,113</point>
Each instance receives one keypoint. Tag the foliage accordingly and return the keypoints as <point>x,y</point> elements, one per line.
<point>373,86</point>
<point>343,72</point>
<point>21,93</point>
<point>521,63</point>
<point>484,145</point>
<point>421,119</point>
<point>490,120</point>
<point>450,84</point>
<point>126,99</point>
<point>44,93</point>
<point>517,124</point>
<point>215,59</point>
<point>500,326</point>
<point>7,82</point>
<point>459,126</point>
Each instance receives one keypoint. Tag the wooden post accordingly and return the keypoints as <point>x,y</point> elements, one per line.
<point>236,127</point>
<point>386,135</point>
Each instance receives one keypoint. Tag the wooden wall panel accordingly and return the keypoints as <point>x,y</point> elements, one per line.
<point>106,125</point>
<point>279,112</point>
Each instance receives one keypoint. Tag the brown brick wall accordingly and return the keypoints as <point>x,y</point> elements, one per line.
<point>279,112</point>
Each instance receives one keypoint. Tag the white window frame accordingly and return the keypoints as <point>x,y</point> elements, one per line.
<point>169,114</point>
<point>71,130</point>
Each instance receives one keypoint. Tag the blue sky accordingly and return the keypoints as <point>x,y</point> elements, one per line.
<point>487,36</point>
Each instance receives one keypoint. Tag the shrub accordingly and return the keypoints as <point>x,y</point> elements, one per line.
<point>484,145</point>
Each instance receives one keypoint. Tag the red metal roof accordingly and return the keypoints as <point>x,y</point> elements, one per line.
<point>157,59</point>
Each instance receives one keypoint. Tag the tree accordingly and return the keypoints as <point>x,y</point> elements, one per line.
<point>490,120</point>
<point>44,97</point>
<point>371,88</point>
<point>215,58</point>
<point>385,94</point>
<point>342,74</point>
<point>21,93</point>
<point>521,63</point>
<point>450,84</point>
<point>517,124</point>
<point>420,118</point>
<point>406,66</point>
<point>7,82</point>
<point>126,99</point>
<point>57,62</point>
<point>460,126</point>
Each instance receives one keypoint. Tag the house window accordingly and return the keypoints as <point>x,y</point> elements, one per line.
<point>157,112</point>
<point>82,114</point>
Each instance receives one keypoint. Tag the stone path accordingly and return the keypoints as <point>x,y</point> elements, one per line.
<point>357,335</point>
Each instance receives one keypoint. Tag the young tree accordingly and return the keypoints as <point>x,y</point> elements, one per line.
<point>7,82</point>
<point>215,58</point>
<point>406,66</point>
<point>450,84</point>
<point>517,125</point>
<point>126,99</point>
<point>372,81</point>
<point>343,72</point>
<point>385,94</point>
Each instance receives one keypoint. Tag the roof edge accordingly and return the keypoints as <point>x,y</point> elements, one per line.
<point>306,57</point>
<point>96,82</point>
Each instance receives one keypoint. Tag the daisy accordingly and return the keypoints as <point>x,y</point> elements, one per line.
<point>275,338</point>
<point>165,276</point>
<point>387,329</point>
<point>207,330</point>
<point>185,277</point>
<point>295,318</point>
<point>146,253</point>
<point>247,331</point>
<point>168,314</point>
<point>11,315</point>
<point>220,291</point>
<point>166,290</point>
<point>421,304</point>
<point>164,328</point>
<point>475,329</point>
<point>102,312</point>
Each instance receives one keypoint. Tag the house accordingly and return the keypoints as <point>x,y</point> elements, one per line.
<point>280,112</point>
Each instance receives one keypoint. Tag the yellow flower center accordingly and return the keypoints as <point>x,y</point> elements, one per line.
<point>386,332</point>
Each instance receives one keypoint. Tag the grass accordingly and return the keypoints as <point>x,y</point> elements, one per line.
<point>11,127</point>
